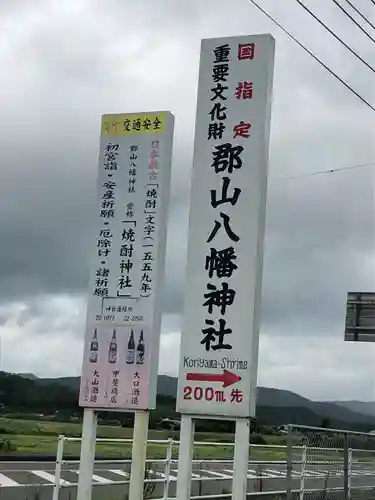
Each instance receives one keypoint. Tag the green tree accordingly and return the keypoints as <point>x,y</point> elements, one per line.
<point>326,423</point>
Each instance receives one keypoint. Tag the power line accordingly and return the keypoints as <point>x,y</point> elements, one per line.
<point>353,20</point>
<point>312,55</point>
<point>359,13</point>
<point>327,171</point>
<point>336,36</point>
<point>372,1</point>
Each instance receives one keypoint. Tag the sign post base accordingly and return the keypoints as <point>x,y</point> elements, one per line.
<point>86,463</point>
<point>139,455</point>
<point>241,459</point>
<point>185,459</point>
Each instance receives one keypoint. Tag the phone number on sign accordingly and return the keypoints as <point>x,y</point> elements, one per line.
<point>112,317</point>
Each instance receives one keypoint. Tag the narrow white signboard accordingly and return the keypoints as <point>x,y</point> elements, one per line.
<point>219,349</point>
<point>121,346</point>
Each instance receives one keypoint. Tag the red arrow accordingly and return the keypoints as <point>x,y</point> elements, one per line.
<point>227,378</point>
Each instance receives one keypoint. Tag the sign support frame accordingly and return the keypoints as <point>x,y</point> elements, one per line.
<point>240,462</point>
<point>87,458</point>
<point>185,458</point>
<point>241,458</point>
<point>139,454</point>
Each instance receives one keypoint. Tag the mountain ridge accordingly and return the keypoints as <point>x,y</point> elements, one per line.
<point>274,404</point>
<point>364,407</point>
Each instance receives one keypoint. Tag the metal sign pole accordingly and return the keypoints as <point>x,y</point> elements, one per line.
<point>185,459</point>
<point>139,455</point>
<point>241,459</point>
<point>86,464</point>
<point>58,467</point>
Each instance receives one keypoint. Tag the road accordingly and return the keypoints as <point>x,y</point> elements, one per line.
<point>14,474</point>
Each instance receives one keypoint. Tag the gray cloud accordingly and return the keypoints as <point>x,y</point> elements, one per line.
<point>69,63</point>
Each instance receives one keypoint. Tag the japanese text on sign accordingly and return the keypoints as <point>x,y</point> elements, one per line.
<point>124,310</point>
<point>133,124</point>
<point>226,159</point>
<point>226,227</point>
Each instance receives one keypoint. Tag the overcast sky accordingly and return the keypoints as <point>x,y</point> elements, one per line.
<point>63,64</point>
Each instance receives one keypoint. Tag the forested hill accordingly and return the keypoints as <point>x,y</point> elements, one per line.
<point>27,393</point>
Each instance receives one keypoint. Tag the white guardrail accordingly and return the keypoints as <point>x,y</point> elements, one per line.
<point>307,463</point>
<point>165,477</point>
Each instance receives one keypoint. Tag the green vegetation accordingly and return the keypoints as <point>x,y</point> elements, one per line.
<point>28,436</point>
<point>57,400</point>
<point>7,446</point>
<point>40,437</point>
<point>73,429</point>
<point>33,413</point>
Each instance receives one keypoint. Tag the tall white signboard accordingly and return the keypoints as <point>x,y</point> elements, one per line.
<point>218,364</point>
<point>124,310</point>
<point>121,348</point>
<point>219,348</point>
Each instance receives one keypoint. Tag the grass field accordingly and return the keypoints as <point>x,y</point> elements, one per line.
<point>41,437</point>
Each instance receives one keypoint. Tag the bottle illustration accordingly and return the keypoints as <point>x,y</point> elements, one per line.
<point>140,350</point>
<point>130,354</point>
<point>112,351</point>
<point>94,348</point>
